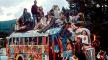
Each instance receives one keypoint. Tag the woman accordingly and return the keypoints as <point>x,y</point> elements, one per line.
<point>84,42</point>
<point>85,38</point>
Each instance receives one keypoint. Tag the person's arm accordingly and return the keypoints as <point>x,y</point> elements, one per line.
<point>32,10</point>
<point>75,37</point>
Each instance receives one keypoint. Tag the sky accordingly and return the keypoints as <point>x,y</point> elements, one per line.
<point>13,9</point>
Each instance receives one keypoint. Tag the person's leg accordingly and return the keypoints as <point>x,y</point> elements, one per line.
<point>34,20</point>
<point>64,44</point>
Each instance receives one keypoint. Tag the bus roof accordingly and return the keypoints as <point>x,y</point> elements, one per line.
<point>34,33</point>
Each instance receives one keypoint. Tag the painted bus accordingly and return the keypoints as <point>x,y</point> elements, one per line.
<point>29,45</point>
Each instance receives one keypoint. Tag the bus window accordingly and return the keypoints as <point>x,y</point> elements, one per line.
<point>40,40</point>
<point>17,41</point>
<point>35,41</point>
<point>26,41</point>
<point>30,40</point>
<point>21,41</point>
<point>13,41</point>
<point>47,40</point>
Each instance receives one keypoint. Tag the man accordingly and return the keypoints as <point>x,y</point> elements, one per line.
<point>34,12</point>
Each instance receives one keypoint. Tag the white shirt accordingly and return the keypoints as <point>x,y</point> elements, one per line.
<point>84,38</point>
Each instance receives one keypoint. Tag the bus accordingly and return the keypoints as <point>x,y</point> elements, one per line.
<point>29,45</point>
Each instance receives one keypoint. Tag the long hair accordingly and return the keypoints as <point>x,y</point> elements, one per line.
<point>86,33</point>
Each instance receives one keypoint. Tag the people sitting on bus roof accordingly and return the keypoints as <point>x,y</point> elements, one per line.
<point>50,24</point>
<point>25,21</point>
<point>44,22</point>
<point>54,22</point>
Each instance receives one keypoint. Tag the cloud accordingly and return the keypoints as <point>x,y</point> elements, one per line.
<point>11,9</point>
<point>1,11</point>
<point>5,17</point>
<point>47,4</point>
<point>9,3</point>
<point>9,14</point>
